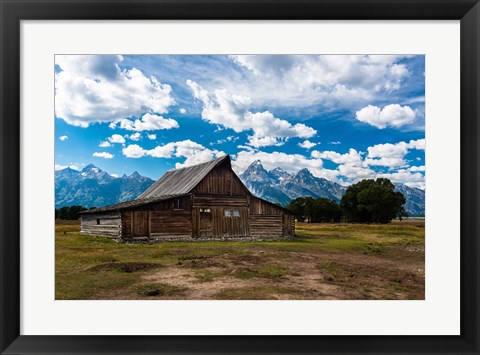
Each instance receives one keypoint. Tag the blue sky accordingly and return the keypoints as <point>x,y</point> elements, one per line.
<point>345,118</point>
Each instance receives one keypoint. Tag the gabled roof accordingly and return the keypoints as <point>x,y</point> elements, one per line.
<point>133,203</point>
<point>181,181</point>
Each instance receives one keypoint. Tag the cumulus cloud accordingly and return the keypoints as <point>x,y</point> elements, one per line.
<point>105,144</point>
<point>289,80</point>
<point>116,138</point>
<point>307,144</point>
<point>390,116</point>
<point>194,153</point>
<point>353,157</point>
<point>93,88</point>
<point>392,155</point>
<point>135,136</point>
<point>232,111</point>
<point>63,138</point>
<point>148,122</point>
<point>152,136</point>
<point>182,111</point>
<point>103,155</point>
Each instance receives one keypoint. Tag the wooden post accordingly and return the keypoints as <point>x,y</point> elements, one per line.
<point>149,225</point>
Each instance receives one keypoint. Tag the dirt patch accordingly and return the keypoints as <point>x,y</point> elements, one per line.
<point>159,289</point>
<point>124,267</point>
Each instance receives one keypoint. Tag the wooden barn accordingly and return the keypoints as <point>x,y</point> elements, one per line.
<point>202,201</point>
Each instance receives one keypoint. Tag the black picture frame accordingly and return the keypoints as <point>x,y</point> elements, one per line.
<point>14,11</point>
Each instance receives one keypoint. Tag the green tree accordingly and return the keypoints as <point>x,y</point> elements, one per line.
<point>297,207</point>
<point>326,210</point>
<point>372,201</point>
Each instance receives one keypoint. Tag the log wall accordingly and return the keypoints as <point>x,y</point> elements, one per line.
<point>266,226</point>
<point>102,224</point>
<point>258,206</point>
<point>221,181</point>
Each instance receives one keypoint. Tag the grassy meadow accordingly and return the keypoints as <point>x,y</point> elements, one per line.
<point>323,261</point>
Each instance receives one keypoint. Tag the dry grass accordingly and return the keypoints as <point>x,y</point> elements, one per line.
<point>324,261</point>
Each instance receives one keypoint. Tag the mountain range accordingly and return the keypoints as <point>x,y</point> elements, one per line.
<point>280,186</point>
<point>95,187</point>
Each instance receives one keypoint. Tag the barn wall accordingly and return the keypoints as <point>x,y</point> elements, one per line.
<point>266,225</point>
<point>102,224</point>
<point>221,181</point>
<point>258,206</point>
<point>170,223</point>
<point>157,220</point>
<point>216,224</point>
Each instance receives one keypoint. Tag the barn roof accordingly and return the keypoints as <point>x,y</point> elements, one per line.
<point>133,203</point>
<point>181,181</point>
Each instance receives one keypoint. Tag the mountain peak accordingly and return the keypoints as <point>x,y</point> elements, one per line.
<point>135,175</point>
<point>257,162</point>
<point>91,167</point>
<point>304,172</point>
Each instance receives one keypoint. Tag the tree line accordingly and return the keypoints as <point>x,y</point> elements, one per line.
<point>69,213</point>
<point>368,201</point>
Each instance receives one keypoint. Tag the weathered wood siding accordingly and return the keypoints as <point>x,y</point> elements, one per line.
<point>258,206</point>
<point>170,223</point>
<point>170,218</point>
<point>221,181</point>
<point>266,225</point>
<point>213,222</point>
<point>102,224</point>
<point>288,225</point>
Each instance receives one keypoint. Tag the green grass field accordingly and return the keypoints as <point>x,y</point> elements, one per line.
<point>324,261</point>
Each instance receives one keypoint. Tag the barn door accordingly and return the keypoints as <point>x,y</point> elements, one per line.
<point>205,222</point>
<point>140,224</point>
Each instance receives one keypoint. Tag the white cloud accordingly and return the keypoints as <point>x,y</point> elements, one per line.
<point>152,136</point>
<point>135,136</point>
<point>114,175</point>
<point>182,111</point>
<point>103,155</point>
<point>390,116</point>
<point>412,179</point>
<point>105,144</point>
<point>93,88</point>
<point>392,155</point>
<point>193,152</point>
<point>336,142</point>
<point>148,122</point>
<point>116,138</point>
<point>63,138</point>
<point>232,111</point>
<point>307,144</point>
<point>305,80</point>
<point>61,167</point>
<point>352,158</point>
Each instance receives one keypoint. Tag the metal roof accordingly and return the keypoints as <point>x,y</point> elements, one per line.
<point>133,203</point>
<point>181,181</point>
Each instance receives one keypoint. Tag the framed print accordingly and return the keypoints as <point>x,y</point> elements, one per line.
<point>237,177</point>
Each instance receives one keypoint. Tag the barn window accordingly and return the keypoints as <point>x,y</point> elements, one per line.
<point>228,213</point>
<point>236,213</point>
<point>98,221</point>
<point>178,204</point>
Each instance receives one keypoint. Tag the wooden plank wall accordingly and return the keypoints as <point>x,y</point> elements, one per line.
<point>266,226</point>
<point>222,226</point>
<point>170,223</point>
<point>258,206</point>
<point>221,181</point>
<point>110,224</point>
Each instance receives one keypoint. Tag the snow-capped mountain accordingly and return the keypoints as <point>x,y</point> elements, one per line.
<point>95,187</point>
<point>280,186</point>
<point>415,205</point>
